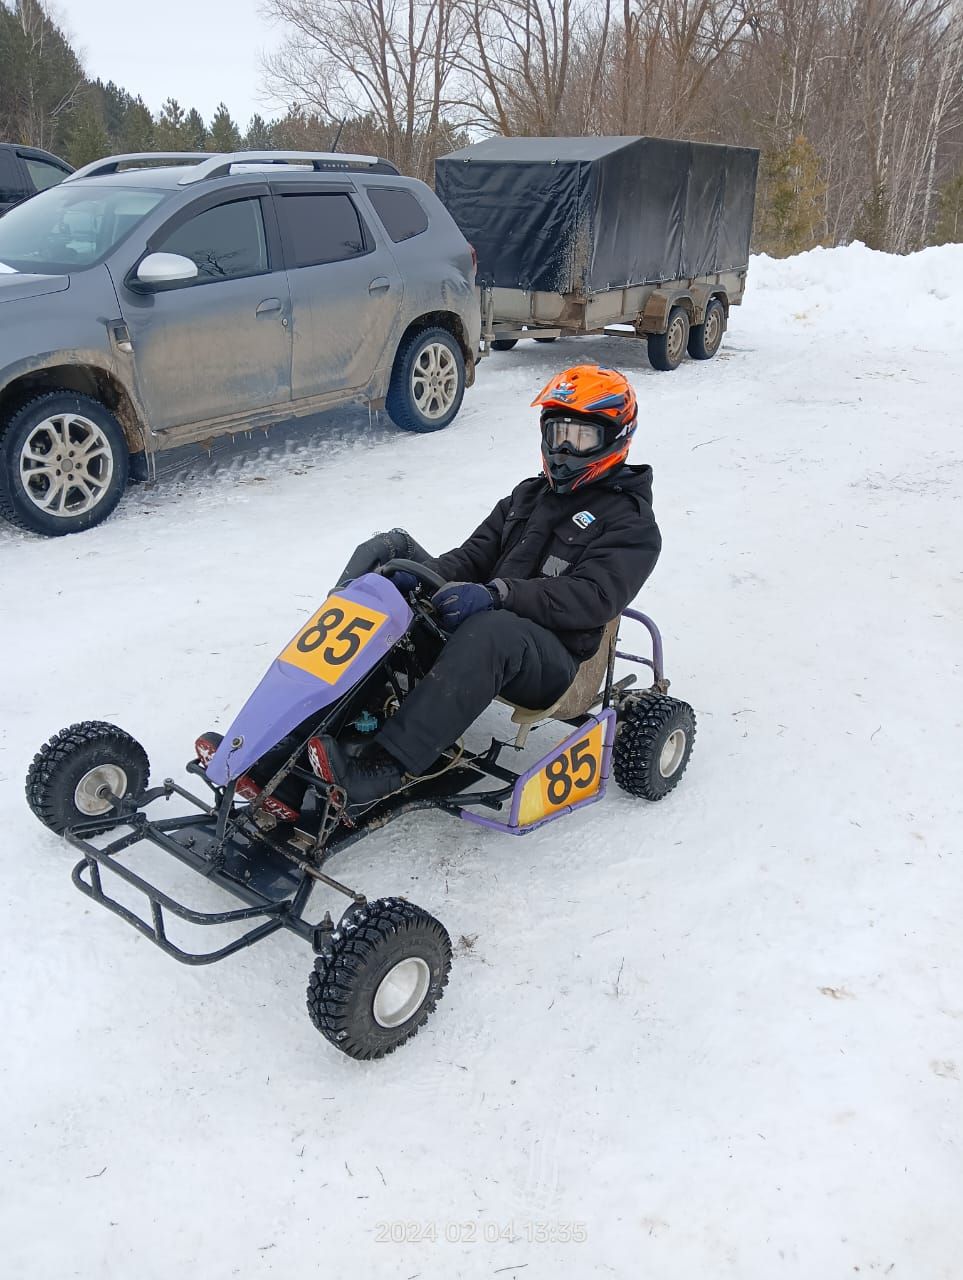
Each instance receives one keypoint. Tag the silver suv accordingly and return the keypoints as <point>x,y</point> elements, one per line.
<point>144,307</point>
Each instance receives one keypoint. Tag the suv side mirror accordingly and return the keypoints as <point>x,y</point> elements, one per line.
<point>159,269</point>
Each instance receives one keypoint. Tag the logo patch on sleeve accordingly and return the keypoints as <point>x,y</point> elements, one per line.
<point>584,519</point>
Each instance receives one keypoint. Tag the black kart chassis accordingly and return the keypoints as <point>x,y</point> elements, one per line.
<point>275,881</point>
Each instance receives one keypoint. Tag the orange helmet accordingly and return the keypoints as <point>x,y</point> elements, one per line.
<point>589,415</point>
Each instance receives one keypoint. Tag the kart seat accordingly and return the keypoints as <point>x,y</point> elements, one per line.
<point>580,694</point>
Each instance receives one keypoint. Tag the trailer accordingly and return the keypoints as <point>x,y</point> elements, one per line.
<point>633,236</point>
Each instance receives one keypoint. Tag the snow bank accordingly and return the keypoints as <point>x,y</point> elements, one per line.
<point>860,291</point>
<point>721,1036</point>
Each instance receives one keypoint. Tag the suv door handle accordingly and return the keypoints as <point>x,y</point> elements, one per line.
<point>267,306</point>
<point>381,284</point>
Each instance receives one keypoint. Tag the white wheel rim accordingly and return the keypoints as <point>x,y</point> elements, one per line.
<point>672,752</point>
<point>434,380</point>
<point>401,992</point>
<point>88,794</point>
<point>66,465</point>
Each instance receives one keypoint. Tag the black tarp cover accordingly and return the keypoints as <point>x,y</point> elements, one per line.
<point>574,215</point>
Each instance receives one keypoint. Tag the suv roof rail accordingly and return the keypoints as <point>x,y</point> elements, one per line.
<point>321,161</point>
<point>139,159</point>
<point>208,164</point>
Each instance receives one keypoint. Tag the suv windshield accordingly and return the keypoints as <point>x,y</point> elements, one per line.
<point>70,227</point>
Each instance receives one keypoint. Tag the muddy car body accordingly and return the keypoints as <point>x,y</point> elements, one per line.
<point>168,306</point>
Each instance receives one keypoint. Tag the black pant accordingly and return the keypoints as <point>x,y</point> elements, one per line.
<point>489,654</point>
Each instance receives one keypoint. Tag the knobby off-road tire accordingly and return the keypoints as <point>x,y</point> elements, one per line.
<point>67,772</point>
<point>653,743</point>
<point>64,464</point>
<point>504,344</point>
<point>667,350</point>
<point>705,339</point>
<point>427,382</point>
<point>379,977</point>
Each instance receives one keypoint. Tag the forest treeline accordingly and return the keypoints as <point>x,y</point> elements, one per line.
<point>855,105</point>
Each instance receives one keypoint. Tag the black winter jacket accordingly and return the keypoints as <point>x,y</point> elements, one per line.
<point>570,562</point>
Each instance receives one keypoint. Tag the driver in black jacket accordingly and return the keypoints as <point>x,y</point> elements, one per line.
<point>528,596</point>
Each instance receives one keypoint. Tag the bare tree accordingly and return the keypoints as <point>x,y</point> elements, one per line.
<point>390,60</point>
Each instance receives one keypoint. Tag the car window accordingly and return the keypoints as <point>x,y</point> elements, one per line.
<point>72,225</point>
<point>11,184</point>
<point>42,174</point>
<point>399,210</point>
<point>225,242</point>
<point>320,228</point>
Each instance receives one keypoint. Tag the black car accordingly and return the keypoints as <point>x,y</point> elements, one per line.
<point>26,170</point>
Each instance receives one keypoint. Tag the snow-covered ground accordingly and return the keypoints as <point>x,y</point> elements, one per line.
<point>719,1037</point>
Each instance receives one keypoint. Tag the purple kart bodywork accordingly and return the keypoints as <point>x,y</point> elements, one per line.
<point>287,695</point>
<point>513,826</point>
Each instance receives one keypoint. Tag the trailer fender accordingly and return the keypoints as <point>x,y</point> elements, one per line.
<point>654,318</point>
<point>695,298</point>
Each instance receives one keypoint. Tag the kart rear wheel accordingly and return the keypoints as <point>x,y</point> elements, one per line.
<point>653,743</point>
<point>379,977</point>
<point>69,774</point>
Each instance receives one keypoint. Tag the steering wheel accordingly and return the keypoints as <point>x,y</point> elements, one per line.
<point>427,577</point>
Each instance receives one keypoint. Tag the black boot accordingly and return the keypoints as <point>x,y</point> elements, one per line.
<point>365,778</point>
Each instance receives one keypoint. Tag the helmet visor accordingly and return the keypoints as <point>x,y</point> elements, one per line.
<point>572,434</point>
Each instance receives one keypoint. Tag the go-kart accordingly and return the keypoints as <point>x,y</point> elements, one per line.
<point>273,823</point>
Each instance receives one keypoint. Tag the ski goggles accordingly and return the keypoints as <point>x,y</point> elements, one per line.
<point>574,434</point>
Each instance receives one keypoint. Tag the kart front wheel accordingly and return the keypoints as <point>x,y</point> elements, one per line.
<point>379,977</point>
<point>653,743</point>
<point>70,776</point>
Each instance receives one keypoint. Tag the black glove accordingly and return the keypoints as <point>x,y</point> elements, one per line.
<point>456,601</point>
<point>404,581</point>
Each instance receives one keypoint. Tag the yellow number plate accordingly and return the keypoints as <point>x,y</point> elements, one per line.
<point>573,775</point>
<point>333,638</point>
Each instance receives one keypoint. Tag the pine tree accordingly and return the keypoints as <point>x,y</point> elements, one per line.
<point>260,135</point>
<point>224,134</point>
<point>873,222</point>
<point>195,131</point>
<point>792,195</point>
<point>137,128</point>
<point>170,133</point>
<point>949,224</point>
<point>86,137</point>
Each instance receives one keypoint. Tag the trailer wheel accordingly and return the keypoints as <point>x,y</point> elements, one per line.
<point>68,774</point>
<point>379,977</point>
<point>653,743</point>
<point>666,350</point>
<point>706,338</point>
<point>504,344</point>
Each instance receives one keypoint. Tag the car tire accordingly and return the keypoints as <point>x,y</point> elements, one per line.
<point>667,350</point>
<point>66,773</point>
<point>504,344</point>
<point>428,381</point>
<point>554,338</point>
<point>42,439</point>
<point>379,977</point>
<point>706,338</point>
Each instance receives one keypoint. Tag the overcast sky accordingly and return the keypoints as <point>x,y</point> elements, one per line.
<point>198,51</point>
